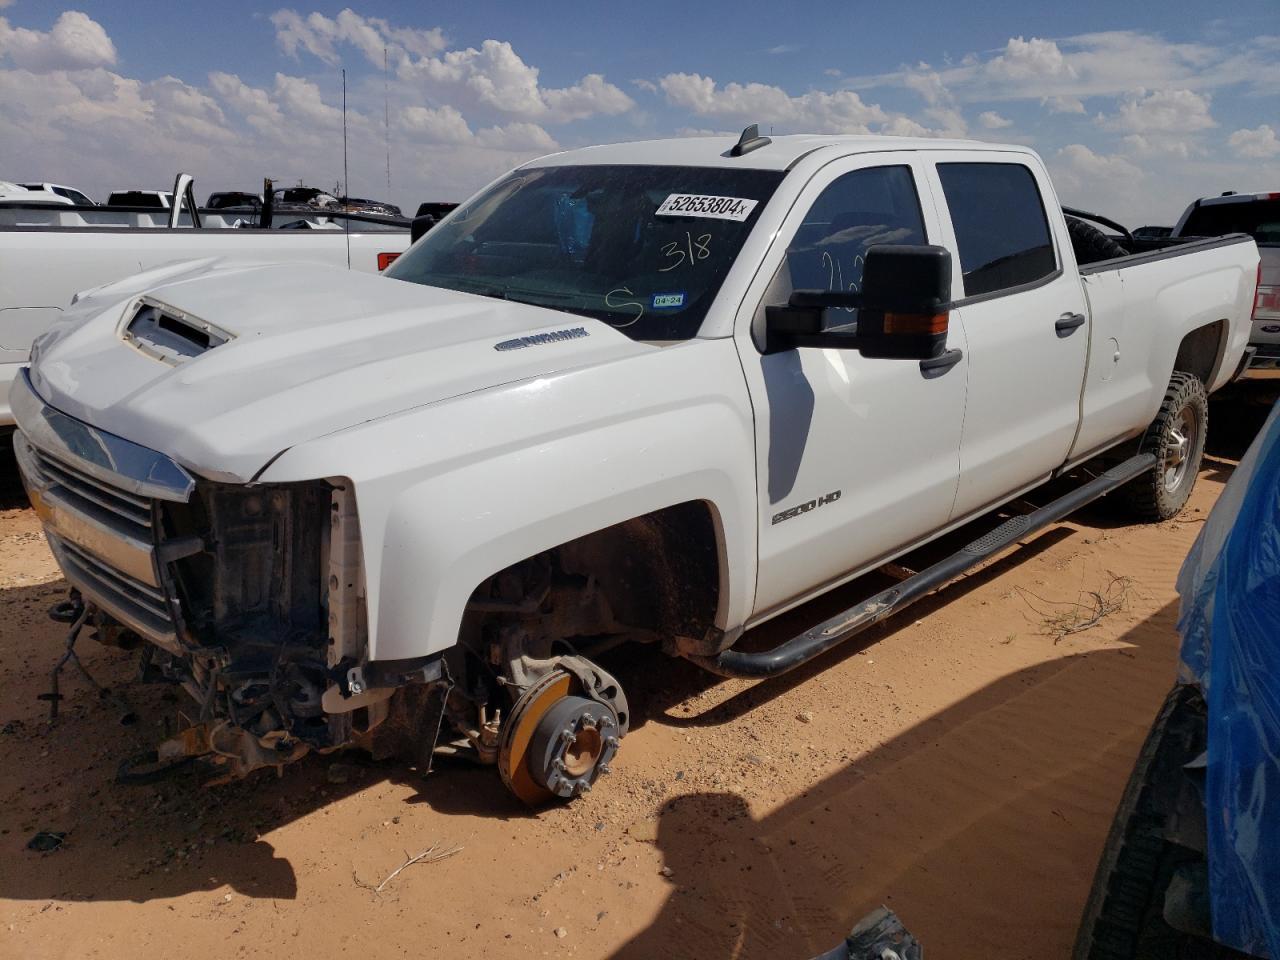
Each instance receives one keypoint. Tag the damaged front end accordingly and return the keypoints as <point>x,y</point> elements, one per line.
<point>249,596</point>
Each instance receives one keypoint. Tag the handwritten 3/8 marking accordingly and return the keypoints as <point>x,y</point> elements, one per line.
<point>690,250</point>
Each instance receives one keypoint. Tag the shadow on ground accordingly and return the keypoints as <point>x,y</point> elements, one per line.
<point>974,825</point>
<point>11,493</point>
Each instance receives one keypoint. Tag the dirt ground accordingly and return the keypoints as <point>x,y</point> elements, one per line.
<point>960,764</point>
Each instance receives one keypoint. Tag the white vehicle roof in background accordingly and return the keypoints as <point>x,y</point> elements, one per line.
<point>780,153</point>
<point>11,193</point>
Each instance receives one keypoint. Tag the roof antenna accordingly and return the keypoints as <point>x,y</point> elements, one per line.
<point>750,140</point>
<point>386,116</point>
<point>346,183</point>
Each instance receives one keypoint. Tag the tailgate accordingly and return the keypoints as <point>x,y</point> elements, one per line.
<point>1266,316</point>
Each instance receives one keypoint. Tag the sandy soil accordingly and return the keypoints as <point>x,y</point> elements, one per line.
<point>960,764</point>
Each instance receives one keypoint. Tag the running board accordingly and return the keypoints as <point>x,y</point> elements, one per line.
<point>803,648</point>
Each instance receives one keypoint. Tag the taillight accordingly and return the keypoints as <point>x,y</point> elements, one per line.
<point>387,259</point>
<point>1257,293</point>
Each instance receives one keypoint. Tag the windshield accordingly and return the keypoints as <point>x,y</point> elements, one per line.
<point>644,249</point>
<point>1258,218</point>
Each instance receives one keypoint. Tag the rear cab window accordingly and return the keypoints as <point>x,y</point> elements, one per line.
<point>1001,229</point>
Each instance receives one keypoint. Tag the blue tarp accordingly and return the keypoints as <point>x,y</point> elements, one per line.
<point>1230,626</point>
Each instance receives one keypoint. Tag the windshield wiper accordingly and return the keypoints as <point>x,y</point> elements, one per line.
<point>515,294</point>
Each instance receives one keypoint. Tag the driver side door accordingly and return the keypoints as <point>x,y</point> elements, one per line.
<point>856,458</point>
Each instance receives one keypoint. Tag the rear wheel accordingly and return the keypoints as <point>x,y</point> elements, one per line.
<point>1176,437</point>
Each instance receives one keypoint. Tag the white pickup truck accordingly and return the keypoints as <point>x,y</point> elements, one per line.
<point>651,391</point>
<point>49,254</point>
<point>1258,216</point>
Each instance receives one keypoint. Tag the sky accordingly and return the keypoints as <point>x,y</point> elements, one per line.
<point>1137,108</point>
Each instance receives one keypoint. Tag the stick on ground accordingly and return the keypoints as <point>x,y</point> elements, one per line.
<point>430,855</point>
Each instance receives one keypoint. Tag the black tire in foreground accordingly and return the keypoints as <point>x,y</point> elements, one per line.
<point>1155,844</point>
<point>1176,437</point>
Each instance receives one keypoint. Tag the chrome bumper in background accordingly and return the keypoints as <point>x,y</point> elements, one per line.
<point>95,494</point>
<point>1263,363</point>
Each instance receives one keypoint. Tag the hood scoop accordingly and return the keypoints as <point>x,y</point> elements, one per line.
<point>171,335</point>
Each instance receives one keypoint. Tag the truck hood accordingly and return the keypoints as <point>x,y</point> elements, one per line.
<point>312,350</point>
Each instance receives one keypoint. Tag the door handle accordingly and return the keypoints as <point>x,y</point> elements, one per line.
<point>937,366</point>
<point>1068,323</point>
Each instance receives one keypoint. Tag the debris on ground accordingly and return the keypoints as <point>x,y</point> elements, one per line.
<point>46,841</point>
<point>432,854</point>
<point>1080,616</point>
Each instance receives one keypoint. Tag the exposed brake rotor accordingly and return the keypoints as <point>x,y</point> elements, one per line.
<point>556,743</point>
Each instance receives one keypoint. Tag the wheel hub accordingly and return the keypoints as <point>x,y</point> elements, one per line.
<point>1178,447</point>
<point>572,746</point>
<point>556,743</point>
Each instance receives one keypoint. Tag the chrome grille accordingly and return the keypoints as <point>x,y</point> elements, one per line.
<point>136,604</point>
<point>132,510</point>
<point>96,494</point>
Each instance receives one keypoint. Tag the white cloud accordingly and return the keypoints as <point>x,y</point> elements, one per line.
<point>1079,159</point>
<point>495,77</point>
<point>446,125</point>
<point>1162,111</point>
<point>840,112</point>
<point>1030,59</point>
<point>589,96</point>
<point>491,77</point>
<point>1102,64</point>
<point>301,99</point>
<point>74,42</point>
<point>440,125</point>
<point>1094,181</point>
<point>519,136</point>
<point>1259,143</point>
<point>293,104</point>
<point>460,116</point>
<point>928,83</point>
<point>950,122</point>
<point>320,36</point>
<point>903,126</point>
<point>6,3</point>
<point>192,111</point>
<point>1061,104</point>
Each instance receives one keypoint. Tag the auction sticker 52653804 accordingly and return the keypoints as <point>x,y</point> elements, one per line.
<point>698,205</point>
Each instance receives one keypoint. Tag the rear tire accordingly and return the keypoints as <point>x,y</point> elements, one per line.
<point>1176,437</point>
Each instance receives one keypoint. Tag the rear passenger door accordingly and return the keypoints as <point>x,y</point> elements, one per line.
<point>1025,318</point>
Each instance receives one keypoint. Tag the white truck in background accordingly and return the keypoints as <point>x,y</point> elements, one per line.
<point>21,195</point>
<point>49,254</point>
<point>1256,215</point>
<point>656,392</point>
<point>70,194</point>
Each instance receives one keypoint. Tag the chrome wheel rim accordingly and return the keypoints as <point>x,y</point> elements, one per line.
<point>1178,448</point>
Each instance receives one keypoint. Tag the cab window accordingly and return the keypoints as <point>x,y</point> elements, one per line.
<point>857,210</point>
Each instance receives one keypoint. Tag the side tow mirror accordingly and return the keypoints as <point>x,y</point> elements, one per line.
<point>420,226</point>
<point>903,308</point>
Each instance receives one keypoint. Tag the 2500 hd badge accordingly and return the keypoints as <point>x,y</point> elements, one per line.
<point>806,507</point>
